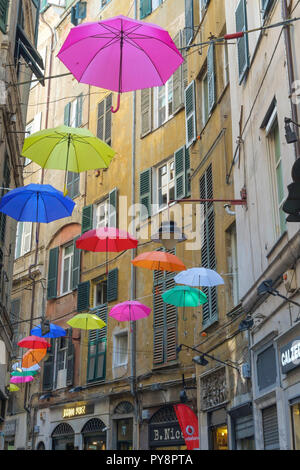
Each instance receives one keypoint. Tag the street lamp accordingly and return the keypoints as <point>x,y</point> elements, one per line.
<point>290,135</point>
<point>266,288</point>
<point>201,359</point>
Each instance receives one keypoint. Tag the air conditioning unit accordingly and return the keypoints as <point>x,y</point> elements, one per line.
<point>61,378</point>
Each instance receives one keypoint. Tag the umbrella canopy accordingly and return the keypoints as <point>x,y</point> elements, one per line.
<point>184,296</point>
<point>34,342</point>
<point>32,357</point>
<point>158,260</point>
<point>86,321</point>
<point>199,277</point>
<point>130,311</point>
<point>120,54</point>
<point>55,331</point>
<point>36,203</point>
<point>106,239</point>
<point>21,380</point>
<point>13,388</point>
<point>23,373</point>
<point>18,365</point>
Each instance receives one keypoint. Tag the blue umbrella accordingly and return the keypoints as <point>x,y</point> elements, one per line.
<point>36,203</point>
<point>199,277</point>
<point>18,365</point>
<point>55,331</point>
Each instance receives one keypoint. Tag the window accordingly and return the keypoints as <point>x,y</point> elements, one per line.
<point>147,6</point>
<point>189,21</point>
<point>73,182</point>
<point>100,292</point>
<point>266,6</point>
<point>204,93</point>
<point>23,239</point>
<point>31,128</point>
<point>120,349</point>
<point>59,366</point>
<point>226,64</point>
<point>14,317</point>
<point>163,103</point>
<point>67,264</point>
<point>165,184</point>
<point>232,264</point>
<point>3,14</point>
<point>203,5</point>
<point>104,120</point>
<point>104,2</point>
<point>97,347</point>
<point>242,43</point>
<point>73,112</point>
<point>101,214</point>
<point>295,410</point>
<point>266,368</point>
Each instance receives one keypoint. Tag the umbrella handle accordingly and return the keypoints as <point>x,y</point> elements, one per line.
<point>118,104</point>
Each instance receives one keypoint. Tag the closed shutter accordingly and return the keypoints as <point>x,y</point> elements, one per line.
<point>171,326</point>
<point>83,296</point>
<point>87,218</point>
<point>146,111</point>
<point>18,239</point>
<point>211,78</point>
<point>6,183</point>
<point>189,21</point>
<point>270,428</point>
<point>73,180</point>
<point>67,114</point>
<point>113,208</point>
<point>146,191</point>
<point>99,334</point>
<point>3,14</point>
<point>179,157</point>
<point>145,8</point>
<point>244,427</point>
<point>97,347</point>
<point>158,326</point>
<point>112,285</point>
<point>76,265</point>
<point>187,172</point>
<point>49,367</point>
<point>70,358</point>
<point>78,118</point>
<point>108,115</point>
<point>178,95</point>
<point>14,317</point>
<point>242,43</point>
<point>52,273</point>
<point>190,114</point>
<point>100,121</point>
<point>266,368</point>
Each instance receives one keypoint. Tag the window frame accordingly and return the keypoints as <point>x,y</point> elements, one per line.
<point>70,270</point>
<point>116,352</point>
<point>97,206</point>
<point>167,163</point>
<point>20,226</point>
<point>168,85</point>
<point>204,98</point>
<point>259,393</point>
<point>95,286</point>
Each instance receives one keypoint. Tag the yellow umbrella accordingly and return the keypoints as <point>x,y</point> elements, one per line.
<point>86,321</point>
<point>13,388</point>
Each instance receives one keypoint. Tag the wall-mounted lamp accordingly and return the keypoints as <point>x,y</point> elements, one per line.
<point>290,135</point>
<point>246,324</point>
<point>266,288</point>
<point>200,360</point>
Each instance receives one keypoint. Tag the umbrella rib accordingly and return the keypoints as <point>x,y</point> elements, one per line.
<point>75,155</point>
<point>144,36</point>
<point>35,142</point>
<point>22,210</point>
<point>143,50</point>
<point>44,207</point>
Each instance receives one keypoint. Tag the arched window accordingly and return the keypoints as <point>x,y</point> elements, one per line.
<point>63,437</point>
<point>94,435</point>
<point>63,429</point>
<point>165,414</point>
<point>94,425</point>
<point>123,408</point>
<point>40,446</point>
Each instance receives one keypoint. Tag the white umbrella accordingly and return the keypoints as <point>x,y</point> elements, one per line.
<point>198,277</point>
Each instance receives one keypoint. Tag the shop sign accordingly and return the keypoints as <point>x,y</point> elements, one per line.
<point>166,434</point>
<point>290,356</point>
<point>77,410</point>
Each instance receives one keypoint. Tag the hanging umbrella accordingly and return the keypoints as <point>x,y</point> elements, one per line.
<point>18,366</point>
<point>21,380</point>
<point>69,149</point>
<point>130,310</point>
<point>106,239</point>
<point>33,356</point>
<point>34,342</point>
<point>23,373</point>
<point>55,331</point>
<point>120,54</point>
<point>13,388</point>
<point>158,260</point>
<point>86,321</point>
<point>184,296</point>
<point>198,277</point>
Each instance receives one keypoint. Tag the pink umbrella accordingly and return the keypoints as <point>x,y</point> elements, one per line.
<point>21,380</point>
<point>120,54</point>
<point>130,311</point>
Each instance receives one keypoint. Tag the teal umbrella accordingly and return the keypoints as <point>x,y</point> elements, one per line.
<point>184,296</point>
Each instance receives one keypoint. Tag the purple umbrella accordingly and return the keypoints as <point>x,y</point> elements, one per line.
<point>120,54</point>
<point>130,311</point>
<point>21,380</point>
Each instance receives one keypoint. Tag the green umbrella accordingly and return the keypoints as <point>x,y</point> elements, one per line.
<point>184,296</point>
<point>24,373</point>
<point>67,148</point>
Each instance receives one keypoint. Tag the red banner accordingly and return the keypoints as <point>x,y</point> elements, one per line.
<point>189,426</point>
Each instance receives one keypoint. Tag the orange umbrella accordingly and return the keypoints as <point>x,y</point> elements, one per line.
<point>159,260</point>
<point>33,356</point>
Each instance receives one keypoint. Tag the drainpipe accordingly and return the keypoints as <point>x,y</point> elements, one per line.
<point>291,71</point>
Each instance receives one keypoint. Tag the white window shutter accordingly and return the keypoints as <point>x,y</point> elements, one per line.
<point>190,114</point>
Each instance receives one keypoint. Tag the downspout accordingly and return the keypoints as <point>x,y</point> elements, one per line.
<point>291,71</point>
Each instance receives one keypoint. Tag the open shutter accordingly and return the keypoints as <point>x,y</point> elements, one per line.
<point>171,326</point>
<point>3,14</point>
<point>70,358</point>
<point>211,78</point>
<point>49,368</point>
<point>265,6</point>
<point>190,114</point>
<point>78,118</point>
<point>146,190</point>
<point>100,121</point>
<point>145,8</point>
<point>242,43</point>
<point>158,327</point>
<point>67,114</point>
<point>83,296</point>
<point>187,172</point>
<point>18,239</point>
<point>108,115</point>
<point>87,218</point>
<point>178,98</point>
<point>76,265</point>
<point>112,285</point>
<point>189,21</point>
<point>113,208</point>
<point>146,111</point>
<point>179,157</point>
<point>73,180</point>
<point>52,273</point>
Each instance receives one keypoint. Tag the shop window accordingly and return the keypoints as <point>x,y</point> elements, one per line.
<point>218,431</point>
<point>124,434</point>
<point>266,368</point>
<point>295,410</point>
<point>63,437</point>
<point>94,435</point>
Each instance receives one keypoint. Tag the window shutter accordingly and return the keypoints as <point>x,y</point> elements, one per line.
<point>270,428</point>
<point>80,10</point>
<point>179,157</point>
<point>242,43</point>
<point>146,111</point>
<point>3,14</point>
<point>113,208</point>
<point>187,172</point>
<point>112,285</point>
<point>78,118</point>
<point>265,6</point>
<point>87,218</point>
<point>76,265</point>
<point>70,358</point>
<point>178,78</point>
<point>67,114</point>
<point>26,237</point>
<point>73,180</point>
<point>108,115</point>
<point>146,190</point>
<point>100,122</point>
<point>190,114</point>
<point>158,327</point>
<point>189,21</point>
<point>52,273</point>
<point>18,239</point>
<point>83,296</point>
<point>49,368</point>
<point>211,78</point>
<point>101,312</point>
<point>145,8</point>
<point>171,326</point>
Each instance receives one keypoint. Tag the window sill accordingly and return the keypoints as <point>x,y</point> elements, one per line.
<point>170,365</point>
<point>117,366</point>
<point>95,382</point>
<point>208,325</point>
<point>64,294</point>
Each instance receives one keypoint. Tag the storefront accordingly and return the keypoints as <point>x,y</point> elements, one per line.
<point>217,429</point>
<point>122,418</point>
<point>242,427</point>
<point>164,430</point>
<point>9,434</point>
<point>94,435</point>
<point>63,437</point>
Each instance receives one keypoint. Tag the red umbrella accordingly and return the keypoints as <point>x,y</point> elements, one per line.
<point>34,342</point>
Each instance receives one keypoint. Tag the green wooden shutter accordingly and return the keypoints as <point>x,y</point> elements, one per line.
<point>211,78</point>
<point>49,367</point>
<point>146,191</point>
<point>76,265</point>
<point>242,43</point>
<point>73,180</point>
<point>3,14</point>
<point>113,208</point>
<point>67,114</point>
<point>146,111</point>
<point>171,326</point>
<point>83,296</point>
<point>179,158</point>
<point>52,273</point>
<point>78,118</point>
<point>187,172</point>
<point>112,285</point>
<point>100,121</point>
<point>87,218</point>
<point>108,115</point>
<point>70,358</point>
<point>145,8</point>
<point>190,114</point>
<point>158,326</point>
<point>189,21</point>
<point>265,6</point>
